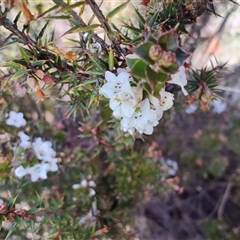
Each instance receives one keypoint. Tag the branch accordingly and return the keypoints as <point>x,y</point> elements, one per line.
<point>83,24</point>
<point>96,10</point>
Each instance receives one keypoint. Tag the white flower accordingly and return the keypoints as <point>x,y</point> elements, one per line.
<point>166,99</point>
<point>24,138</point>
<point>143,119</point>
<point>124,102</point>
<point>90,218</point>
<point>20,171</point>
<point>219,106</point>
<point>43,150</point>
<point>180,79</point>
<point>156,105</point>
<point>92,193</point>
<point>114,83</point>
<point>38,171</point>
<point>191,108</point>
<point>127,69</point>
<point>132,56</point>
<point>76,186</point>
<point>169,166</point>
<point>84,183</point>
<point>53,167</point>
<point>91,184</point>
<point>16,119</point>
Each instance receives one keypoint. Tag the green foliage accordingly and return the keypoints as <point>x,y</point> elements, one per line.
<point>104,175</point>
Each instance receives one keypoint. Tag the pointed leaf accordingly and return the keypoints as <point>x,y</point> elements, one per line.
<point>13,226</point>
<point>72,6</point>
<point>78,29</point>
<point>117,9</point>
<point>169,40</point>
<point>181,56</point>
<point>143,52</point>
<point>155,77</point>
<point>137,67</point>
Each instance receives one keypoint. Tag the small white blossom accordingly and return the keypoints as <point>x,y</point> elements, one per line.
<point>92,193</point>
<point>156,105</point>
<point>191,108</point>
<point>169,166</point>
<point>166,99</point>
<point>76,186</point>
<point>143,119</point>
<point>114,83</point>
<point>219,106</point>
<point>20,171</point>
<point>43,150</point>
<point>38,171</point>
<point>24,140</point>
<point>84,183</point>
<point>16,119</point>
<point>119,70</point>
<point>90,218</point>
<point>91,184</point>
<point>180,79</point>
<point>53,167</point>
<point>124,102</point>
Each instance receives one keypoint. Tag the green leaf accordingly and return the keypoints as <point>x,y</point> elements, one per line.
<point>25,53</point>
<point>63,17</point>
<point>181,56</point>
<point>12,65</point>
<point>140,19</point>
<point>18,74</point>
<point>155,77</point>
<point>35,210</point>
<point>153,19</point>
<point>38,63</point>
<point>11,202</point>
<point>72,6</point>
<point>169,40</point>
<point>78,29</point>
<point>117,9</point>
<point>13,226</point>
<point>137,67</point>
<point>42,31</point>
<point>110,59</point>
<point>143,52</point>
<point>171,69</point>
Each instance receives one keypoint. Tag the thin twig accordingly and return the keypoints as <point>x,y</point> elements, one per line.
<point>101,18</point>
<point>224,200</point>
<point>83,24</point>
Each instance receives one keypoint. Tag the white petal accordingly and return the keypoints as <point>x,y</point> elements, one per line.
<point>110,77</point>
<point>108,90</point>
<point>113,104</point>
<point>127,109</point>
<point>123,76</point>
<point>180,79</point>
<point>84,183</point>
<point>20,172</point>
<point>148,130</point>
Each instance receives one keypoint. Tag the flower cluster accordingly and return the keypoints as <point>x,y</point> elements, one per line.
<point>41,149</point>
<point>86,184</point>
<point>44,153</point>
<point>127,103</point>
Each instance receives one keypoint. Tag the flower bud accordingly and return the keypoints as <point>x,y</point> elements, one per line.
<point>40,74</point>
<point>20,212</point>
<point>3,208</point>
<point>155,52</point>
<point>11,217</point>
<point>167,59</point>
